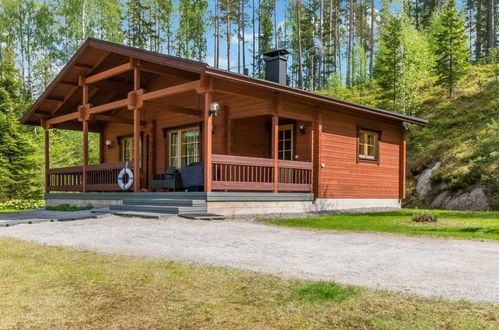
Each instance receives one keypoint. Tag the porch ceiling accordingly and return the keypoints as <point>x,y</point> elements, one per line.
<point>64,94</point>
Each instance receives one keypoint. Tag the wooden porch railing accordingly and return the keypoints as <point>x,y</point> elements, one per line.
<point>101,177</point>
<point>257,174</point>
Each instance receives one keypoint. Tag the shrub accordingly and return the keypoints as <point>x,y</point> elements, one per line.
<point>22,204</point>
<point>69,208</point>
<point>425,216</point>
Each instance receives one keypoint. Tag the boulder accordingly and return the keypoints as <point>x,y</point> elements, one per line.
<point>441,201</point>
<point>423,186</point>
<point>476,200</point>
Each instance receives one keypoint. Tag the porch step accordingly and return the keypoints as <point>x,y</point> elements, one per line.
<point>165,202</point>
<point>159,209</point>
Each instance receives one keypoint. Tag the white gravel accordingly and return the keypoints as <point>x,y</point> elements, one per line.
<point>447,268</point>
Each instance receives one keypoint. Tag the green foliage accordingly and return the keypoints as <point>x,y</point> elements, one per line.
<point>266,29</point>
<point>18,173</point>
<point>68,208</point>
<point>324,291</point>
<point>450,46</point>
<point>22,204</point>
<point>402,59</point>
<point>425,216</point>
<point>191,41</point>
<point>462,133</point>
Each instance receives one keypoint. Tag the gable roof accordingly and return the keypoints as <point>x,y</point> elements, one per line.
<point>195,67</point>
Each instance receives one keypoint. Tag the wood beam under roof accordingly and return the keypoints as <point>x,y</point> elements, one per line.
<point>170,107</point>
<point>108,73</point>
<point>134,97</point>
<point>115,119</point>
<point>76,87</point>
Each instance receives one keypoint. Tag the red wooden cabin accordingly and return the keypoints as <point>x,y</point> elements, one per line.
<point>154,112</point>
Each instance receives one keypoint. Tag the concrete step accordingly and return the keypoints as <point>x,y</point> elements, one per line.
<point>159,209</point>
<point>203,216</point>
<point>165,202</point>
<point>147,215</point>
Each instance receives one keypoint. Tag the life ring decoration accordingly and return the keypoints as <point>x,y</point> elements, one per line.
<point>121,178</point>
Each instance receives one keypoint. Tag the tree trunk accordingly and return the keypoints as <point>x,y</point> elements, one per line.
<point>300,64</point>
<point>243,18</point>
<point>254,37</point>
<point>228,35</point>
<point>371,42</point>
<point>239,37</point>
<point>350,45</point>
<point>276,41</point>
<point>321,40</point>
<point>217,37</point>
<point>491,35</point>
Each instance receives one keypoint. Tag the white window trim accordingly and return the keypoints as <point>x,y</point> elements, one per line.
<point>179,144</point>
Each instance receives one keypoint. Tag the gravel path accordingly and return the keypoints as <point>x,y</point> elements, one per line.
<point>448,268</point>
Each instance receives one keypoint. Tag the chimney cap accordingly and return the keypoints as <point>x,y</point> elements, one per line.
<point>276,53</point>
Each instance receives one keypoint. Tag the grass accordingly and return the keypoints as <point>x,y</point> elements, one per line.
<point>456,224</point>
<point>323,291</point>
<point>11,211</point>
<point>68,208</point>
<point>46,287</point>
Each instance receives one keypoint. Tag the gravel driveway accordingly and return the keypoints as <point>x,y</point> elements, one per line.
<point>448,268</point>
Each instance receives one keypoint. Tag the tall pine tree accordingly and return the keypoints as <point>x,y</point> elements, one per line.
<point>19,168</point>
<point>450,47</point>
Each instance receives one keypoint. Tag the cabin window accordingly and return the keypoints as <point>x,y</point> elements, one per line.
<point>368,144</point>
<point>126,148</point>
<point>183,146</point>
<point>285,146</point>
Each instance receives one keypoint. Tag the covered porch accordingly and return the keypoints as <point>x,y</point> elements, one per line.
<point>246,139</point>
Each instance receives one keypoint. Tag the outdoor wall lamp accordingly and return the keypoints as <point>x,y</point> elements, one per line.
<point>301,128</point>
<point>213,112</point>
<point>109,144</point>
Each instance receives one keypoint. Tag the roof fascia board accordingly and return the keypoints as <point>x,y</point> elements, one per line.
<point>317,97</point>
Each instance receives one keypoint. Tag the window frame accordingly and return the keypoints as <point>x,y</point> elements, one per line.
<point>377,158</point>
<point>179,130</point>
<point>285,127</point>
<point>121,140</point>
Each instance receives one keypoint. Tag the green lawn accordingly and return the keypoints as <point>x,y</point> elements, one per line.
<point>11,211</point>
<point>46,287</point>
<point>458,224</point>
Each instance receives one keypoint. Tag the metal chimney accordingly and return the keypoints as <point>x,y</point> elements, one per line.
<point>276,66</point>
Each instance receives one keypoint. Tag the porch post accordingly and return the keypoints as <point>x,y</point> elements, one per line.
<point>85,154</point>
<point>47,158</point>
<point>275,150</point>
<point>207,141</point>
<point>85,137</point>
<point>136,134</point>
<point>316,161</point>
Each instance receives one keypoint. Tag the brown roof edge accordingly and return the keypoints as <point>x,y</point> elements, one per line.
<point>53,83</point>
<point>318,97</point>
<point>140,54</point>
<point>200,67</point>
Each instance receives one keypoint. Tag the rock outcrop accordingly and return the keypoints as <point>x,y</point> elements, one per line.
<point>423,186</point>
<point>439,197</point>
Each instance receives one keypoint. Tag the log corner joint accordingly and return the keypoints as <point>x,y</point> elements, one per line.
<point>135,100</point>
<point>206,85</point>
<point>84,112</point>
<point>44,124</point>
